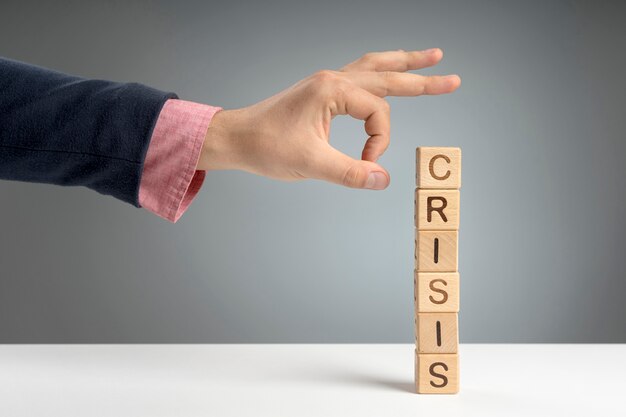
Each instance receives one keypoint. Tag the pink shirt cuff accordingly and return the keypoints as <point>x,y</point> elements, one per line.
<point>170,181</point>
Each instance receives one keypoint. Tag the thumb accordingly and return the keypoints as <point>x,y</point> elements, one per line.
<point>337,167</point>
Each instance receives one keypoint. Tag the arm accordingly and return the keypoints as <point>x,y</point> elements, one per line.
<point>65,130</point>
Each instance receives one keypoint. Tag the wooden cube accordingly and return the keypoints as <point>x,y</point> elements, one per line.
<point>437,333</point>
<point>436,292</point>
<point>436,251</point>
<point>438,167</point>
<point>437,209</point>
<point>436,373</point>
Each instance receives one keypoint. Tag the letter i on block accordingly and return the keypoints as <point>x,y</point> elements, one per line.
<point>436,279</point>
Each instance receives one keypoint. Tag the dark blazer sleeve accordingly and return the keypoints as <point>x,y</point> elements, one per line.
<point>66,130</point>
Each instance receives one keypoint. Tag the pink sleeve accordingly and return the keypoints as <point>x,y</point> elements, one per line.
<point>170,181</point>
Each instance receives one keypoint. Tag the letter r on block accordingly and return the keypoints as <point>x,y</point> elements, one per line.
<point>437,209</point>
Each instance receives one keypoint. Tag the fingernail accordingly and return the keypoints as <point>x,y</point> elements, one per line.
<point>429,51</point>
<point>376,181</point>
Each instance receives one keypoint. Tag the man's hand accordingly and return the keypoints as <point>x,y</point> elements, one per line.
<point>287,135</point>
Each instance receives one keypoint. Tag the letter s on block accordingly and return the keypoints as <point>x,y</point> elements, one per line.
<point>431,167</point>
<point>444,293</point>
<point>444,379</point>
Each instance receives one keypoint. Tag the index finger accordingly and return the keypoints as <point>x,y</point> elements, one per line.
<point>363,105</point>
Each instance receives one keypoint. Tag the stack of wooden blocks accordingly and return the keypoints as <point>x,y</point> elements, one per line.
<point>436,279</point>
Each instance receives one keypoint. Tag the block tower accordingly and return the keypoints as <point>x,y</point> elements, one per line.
<point>436,277</point>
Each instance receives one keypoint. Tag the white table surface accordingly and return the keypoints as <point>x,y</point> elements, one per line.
<point>305,380</point>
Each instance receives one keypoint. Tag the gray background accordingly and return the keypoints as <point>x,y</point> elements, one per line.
<point>540,119</point>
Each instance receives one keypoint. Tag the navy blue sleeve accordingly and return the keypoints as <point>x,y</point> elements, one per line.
<point>66,130</point>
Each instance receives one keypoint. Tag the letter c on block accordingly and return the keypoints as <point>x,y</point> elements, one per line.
<point>431,167</point>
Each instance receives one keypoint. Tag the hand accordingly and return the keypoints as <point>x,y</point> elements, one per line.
<point>287,135</point>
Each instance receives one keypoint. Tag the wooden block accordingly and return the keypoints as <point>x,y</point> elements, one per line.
<point>436,292</point>
<point>436,251</point>
<point>436,374</point>
<point>437,209</point>
<point>437,332</point>
<point>438,167</point>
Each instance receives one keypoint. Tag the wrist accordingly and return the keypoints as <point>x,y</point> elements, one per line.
<point>218,151</point>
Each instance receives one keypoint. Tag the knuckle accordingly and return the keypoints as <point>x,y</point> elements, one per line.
<point>342,85</point>
<point>368,57</point>
<point>339,89</point>
<point>325,76</point>
<point>423,85</point>
<point>388,79</point>
<point>324,83</point>
<point>385,144</point>
<point>384,106</point>
<point>353,177</point>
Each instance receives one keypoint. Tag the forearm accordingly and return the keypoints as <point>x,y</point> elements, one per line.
<point>66,130</point>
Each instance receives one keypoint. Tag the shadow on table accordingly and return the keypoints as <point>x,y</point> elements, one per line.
<point>371,381</point>
<point>394,385</point>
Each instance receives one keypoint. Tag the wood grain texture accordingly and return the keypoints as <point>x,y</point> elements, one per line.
<point>436,292</point>
<point>436,251</point>
<point>436,373</point>
<point>438,167</point>
<point>437,209</point>
<point>436,278</point>
<point>437,333</point>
